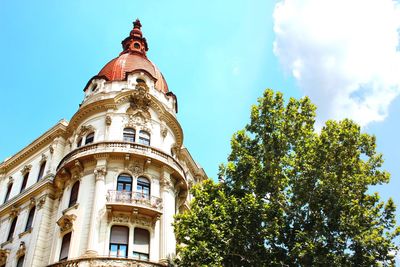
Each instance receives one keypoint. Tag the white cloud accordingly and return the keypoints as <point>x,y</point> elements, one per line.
<point>344,54</point>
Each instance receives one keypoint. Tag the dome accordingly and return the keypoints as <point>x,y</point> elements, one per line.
<point>118,68</point>
<point>133,59</point>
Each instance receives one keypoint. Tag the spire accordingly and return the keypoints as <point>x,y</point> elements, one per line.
<point>135,42</point>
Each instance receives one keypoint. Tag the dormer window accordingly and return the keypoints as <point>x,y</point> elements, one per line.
<point>136,45</point>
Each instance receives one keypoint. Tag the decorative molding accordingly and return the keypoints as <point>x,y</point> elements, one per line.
<point>14,212</point>
<point>135,168</point>
<point>108,120</point>
<point>10,180</point>
<point>163,130</point>
<point>25,233</point>
<point>43,159</point>
<point>66,222</point>
<point>41,201</point>
<point>120,218</point>
<point>85,129</point>
<point>21,249</point>
<point>100,172</point>
<point>32,202</point>
<point>27,168</point>
<point>3,256</point>
<point>73,207</point>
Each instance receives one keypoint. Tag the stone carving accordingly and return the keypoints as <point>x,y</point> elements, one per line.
<point>140,98</point>
<point>85,129</point>
<point>21,249</point>
<point>163,130</point>
<point>3,256</point>
<point>120,218</point>
<point>66,222</point>
<point>51,149</point>
<point>135,169</point>
<point>43,159</point>
<point>32,202</point>
<point>41,201</point>
<point>108,120</point>
<point>10,180</point>
<point>14,212</point>
<point>100,172</point>
<point>26,169</point>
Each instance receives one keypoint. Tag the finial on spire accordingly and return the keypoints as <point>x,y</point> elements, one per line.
<point>135,42</point>
<point>137,24</point>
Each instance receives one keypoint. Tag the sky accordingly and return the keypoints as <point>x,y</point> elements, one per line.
<point>217,57</point>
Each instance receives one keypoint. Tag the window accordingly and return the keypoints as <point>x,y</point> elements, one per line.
<point>41,170</point>
<point>119,241</point>
<point>143,187</point>
<point>141,244</point>
<point>138,80</point>
<point>124,183</point>
<point>129,135</point>
<point>144,138</point>
<point>20,262</point>
<point>66,241</point>
<point>79,143</point>
<point>30,219</point>
<point>12,229</point>
<point>74,194</point>
<point>8,192</point>
<point>24,181</point>
<point>89,138</point>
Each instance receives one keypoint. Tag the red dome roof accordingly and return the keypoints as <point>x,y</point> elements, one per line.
<point>118,68</point>
<point>133,58</point>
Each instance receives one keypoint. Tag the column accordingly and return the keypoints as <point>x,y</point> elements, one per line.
<point>98,202</point>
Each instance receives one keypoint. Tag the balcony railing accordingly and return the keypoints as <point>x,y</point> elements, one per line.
<point>105,261</point>
<point>134,198</point>
<point>122,147</point>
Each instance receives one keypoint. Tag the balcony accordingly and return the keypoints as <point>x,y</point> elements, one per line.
<point>117,147</point>
<point>127,201</point>
<point>105,261</point>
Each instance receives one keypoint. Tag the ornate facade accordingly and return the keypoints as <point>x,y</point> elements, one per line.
<point>101,189</point>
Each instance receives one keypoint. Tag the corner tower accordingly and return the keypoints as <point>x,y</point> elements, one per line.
<point>113,177</point>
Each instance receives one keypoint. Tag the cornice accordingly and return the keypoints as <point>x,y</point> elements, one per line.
<point>39,143</point>
<point>192,165</point>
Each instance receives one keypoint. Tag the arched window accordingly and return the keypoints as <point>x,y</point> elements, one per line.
<point>29,222</point>
<point>144,138</point>
<point>24,182</point>
<point>20,262</point>
<point>66,241</point>
<point>143,187</point>
<point>74,194</point>
<point>41,170</point>
<point>119,237</point>
<point>8,192</point>
<point>12,229</point>
<point>129,135</point>
<point>124,182</point>
<point>89,138</point>
<point>141,244</point>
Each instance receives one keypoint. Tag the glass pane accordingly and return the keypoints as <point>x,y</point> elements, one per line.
<point>122,251</point>
<point>89,138</point>
<point>113,250</point>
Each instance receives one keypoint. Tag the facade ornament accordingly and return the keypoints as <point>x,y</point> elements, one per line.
<point>163,130</point>
<point>100,172</point>
<point>120,218</point>
<point>140,97</point>
<point>21,249</point>
<point>135,169</point>
<point>51,149</point>
<point>43,159</point>
<point>27,168</point>
<point>41,201</point>
<point>32,202</point>
<point>66,222</point>
<point>10,180</point>
<point>14,212</point>
<point>77,170</point>
<point>3,256</point>
<point>108,120</point>
<point>85,129</point>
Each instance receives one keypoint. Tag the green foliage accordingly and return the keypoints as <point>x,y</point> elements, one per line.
<point>291,196</point>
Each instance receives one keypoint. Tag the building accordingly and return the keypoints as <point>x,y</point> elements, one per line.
<point>101,189</point>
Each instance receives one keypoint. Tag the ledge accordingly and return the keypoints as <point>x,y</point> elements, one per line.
<point>25,233</point>
<point>7,242</point>
<point>75,206</point>
<point>106,261</point>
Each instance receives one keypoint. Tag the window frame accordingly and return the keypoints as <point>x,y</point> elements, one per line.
<point>141,254</point>
<point>141,186</point>
<point>144,138</point>
<point>118,245</point>
<point>89,139</point>
<point>63,241</point>
<point>24,182</point>
<point>31,216</point>
<point>74,194</point>
<point>41,170</point>
<point>8,192</point>
<point>124,183</point>
<point>129,136</point>
<point>11,230</point>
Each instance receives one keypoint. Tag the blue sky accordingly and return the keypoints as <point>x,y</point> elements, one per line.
<point>217,57</point>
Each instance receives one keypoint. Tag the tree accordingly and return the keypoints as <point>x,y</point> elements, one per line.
<point>291,196</point>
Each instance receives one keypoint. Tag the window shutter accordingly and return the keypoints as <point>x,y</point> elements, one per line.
<point>119,235</point>
<point>141,241</point>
